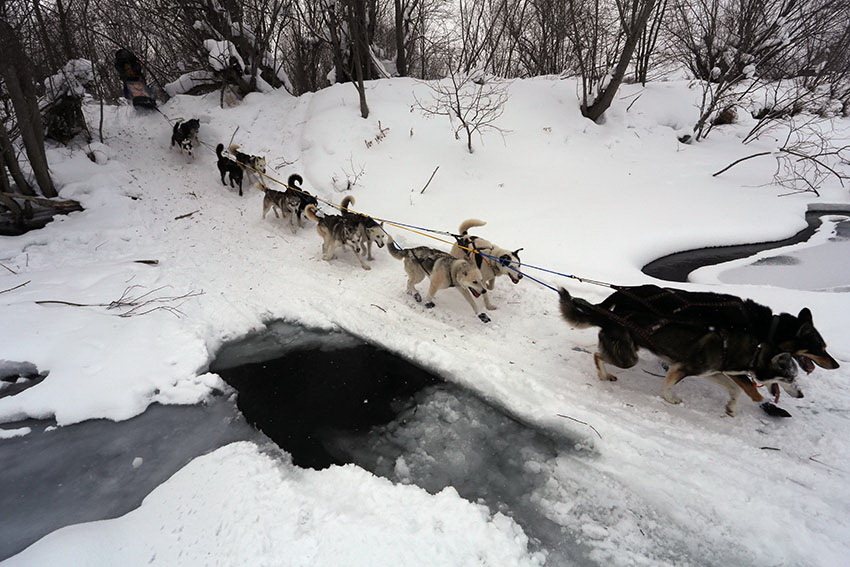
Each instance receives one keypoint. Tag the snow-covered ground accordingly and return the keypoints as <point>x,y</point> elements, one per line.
<point>658,485</point>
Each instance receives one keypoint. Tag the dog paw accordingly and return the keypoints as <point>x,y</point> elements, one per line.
<point>430,305</point>
<point>365,267</point>
<point>774,410</point>
<point>484,318</point>
<point>417,297</point>
<point>670,399</point>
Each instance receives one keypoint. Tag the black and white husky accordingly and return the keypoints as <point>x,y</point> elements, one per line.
<point>182,135</point>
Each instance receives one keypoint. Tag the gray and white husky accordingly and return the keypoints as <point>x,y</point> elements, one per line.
<point>492,261</point>
<point>371,232</point>
<point>443,271</point>
<point>285,202</point>
<point>336,231</point>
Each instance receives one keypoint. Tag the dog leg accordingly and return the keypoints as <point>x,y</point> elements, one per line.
<point>357,255</point>
<point>487,303</point>
<point>747,386</point>
<point>674,376</point>
<point>726,381</point>
<point>604,375</point>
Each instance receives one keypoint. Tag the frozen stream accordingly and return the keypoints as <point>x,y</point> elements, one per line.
<point>820,264</point>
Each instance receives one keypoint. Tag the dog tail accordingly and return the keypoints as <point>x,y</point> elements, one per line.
<point>295,181</point>
<point>311,210</point>
<point>470,223</point>
<point>347,201</point>
<point>174,132</point>
<point>396,251</point>
<point>233,148</point>
<point>218,149</point>
<point>579,312</point>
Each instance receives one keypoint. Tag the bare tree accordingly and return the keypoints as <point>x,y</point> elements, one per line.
<point>19,84</point>
<point>472,104</point>
<point>605,37</point>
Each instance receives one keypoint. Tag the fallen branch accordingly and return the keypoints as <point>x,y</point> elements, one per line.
<point>16,287</point>
<point>45,202</point>
<point>139,305</point>
<point>736,162</point>
<point>581,422</point>
<point>187,215</point>
<point>8,268</point>
<point>429,180</point>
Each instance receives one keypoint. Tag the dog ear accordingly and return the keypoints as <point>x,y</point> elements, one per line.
<point>805,315</point>
<point>517,251</point>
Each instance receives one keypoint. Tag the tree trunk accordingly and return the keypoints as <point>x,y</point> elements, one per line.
<point>15,69</point>
<point>400,55</point>
<point>8,159</point>
<point>633,34</point>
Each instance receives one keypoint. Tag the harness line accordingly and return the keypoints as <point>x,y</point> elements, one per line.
<point>414,229</point>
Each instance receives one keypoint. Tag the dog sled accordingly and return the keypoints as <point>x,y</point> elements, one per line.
<point>136,90</point>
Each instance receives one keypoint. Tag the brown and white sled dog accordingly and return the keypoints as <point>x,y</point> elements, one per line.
<point>734,342</point>
<point>497,262</point>
<point>284,202</point>
<point>371,232</point>
<point>253,166</point>
<point>443,271</point>
<point>336,232</point>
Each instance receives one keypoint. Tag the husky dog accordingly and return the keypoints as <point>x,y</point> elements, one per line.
<point>285,202</point>
<point>443,271</point>
<point>493,260</point>
<point>370,231</point>
<point>293,186</point>
<point>336,231</point>
<point>182,135</point>
<point>706,334</point>
<point>229,167</point>
<point>254,166</point>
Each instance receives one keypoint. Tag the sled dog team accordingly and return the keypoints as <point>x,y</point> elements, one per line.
<point>737,343</point>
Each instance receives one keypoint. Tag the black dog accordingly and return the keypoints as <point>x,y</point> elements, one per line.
<point>230,167</point>
<point>183,134</point>
<point>722,337</point>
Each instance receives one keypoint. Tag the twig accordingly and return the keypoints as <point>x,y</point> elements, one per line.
<point>770,448</point>
<point>8,268</point>
<point>16,287</point>
<point>379,307</point>
<point>148,262</point>
<point>581,422</point>
<point>813,459</point>
<point>139,305</point>
<point>736,162</point>
<point>429,180</point>
<point>186,215</point>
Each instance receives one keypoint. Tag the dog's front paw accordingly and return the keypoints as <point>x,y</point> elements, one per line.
<point>484,318</point>
<point>366,267</point>
<point>417,297</point>
<point>671,399</point>
<point>774,410</point>
<point>430,305</point>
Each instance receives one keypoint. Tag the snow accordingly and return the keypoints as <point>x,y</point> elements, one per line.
<point>659,485</point>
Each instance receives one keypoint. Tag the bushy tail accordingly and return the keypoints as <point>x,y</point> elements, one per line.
<point>579,312</point>
<point>470,223</point>
<point>395,250</point>
<point>218,149</point>
<point>310,211</point>
<point>234,148</point>
<point>347,201</point>
<point>295,181</point>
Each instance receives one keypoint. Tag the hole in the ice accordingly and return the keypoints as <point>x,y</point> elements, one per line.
<point>314,388</point>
